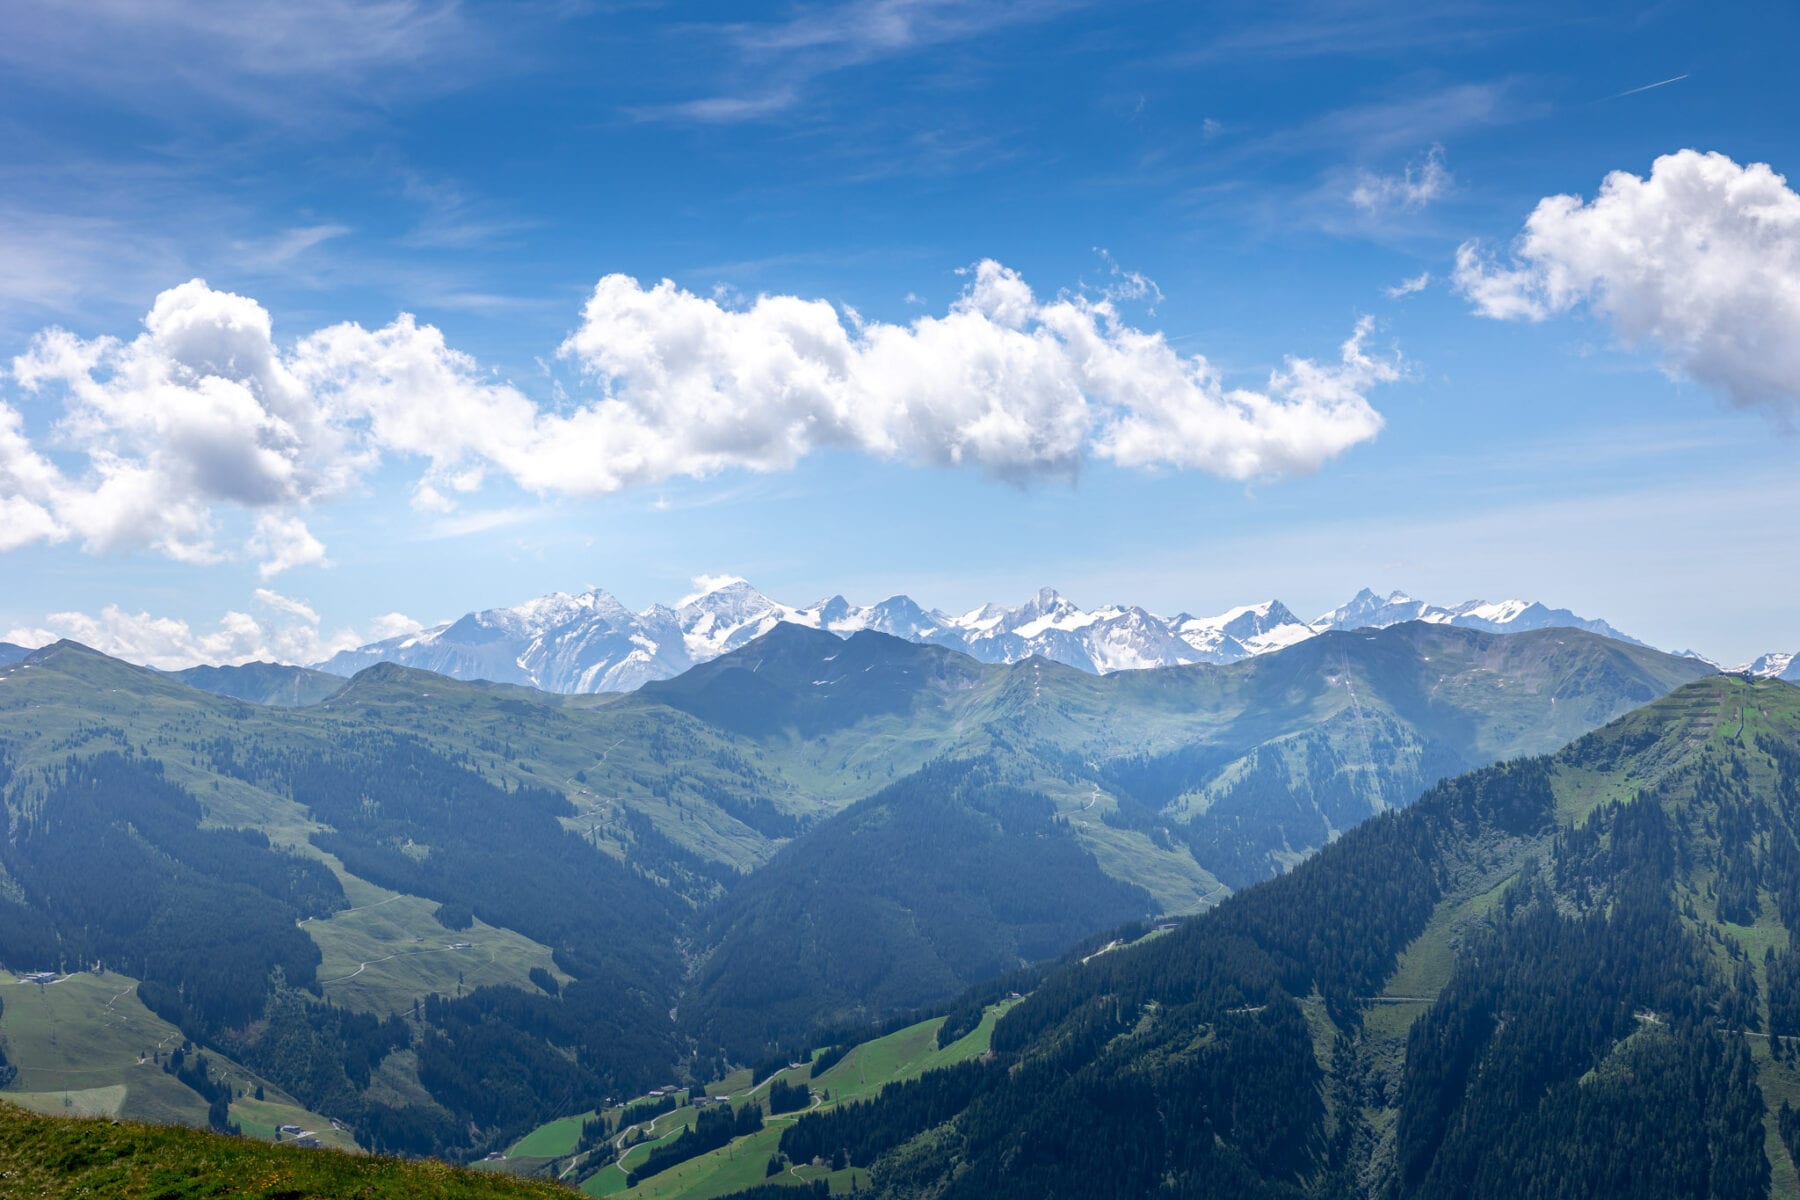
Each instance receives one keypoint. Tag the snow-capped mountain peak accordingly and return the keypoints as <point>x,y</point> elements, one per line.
<point>589,641</point>
<point>1776,665</point>
<point>1499,613</point>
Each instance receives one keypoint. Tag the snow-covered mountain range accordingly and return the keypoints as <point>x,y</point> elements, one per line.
<point>1777,666</point>
<point>592,643</point>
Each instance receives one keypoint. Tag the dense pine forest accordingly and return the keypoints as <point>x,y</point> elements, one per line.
<point>950,877</point>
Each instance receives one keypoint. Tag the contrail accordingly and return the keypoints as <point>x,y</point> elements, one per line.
<point>1647,87</point>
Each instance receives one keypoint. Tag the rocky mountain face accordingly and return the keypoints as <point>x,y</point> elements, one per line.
<point>592,643</point>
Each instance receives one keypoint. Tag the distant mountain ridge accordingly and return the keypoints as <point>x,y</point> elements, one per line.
<point>262,683</point>
<point>590,642</point>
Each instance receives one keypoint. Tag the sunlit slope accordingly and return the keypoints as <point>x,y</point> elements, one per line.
<point>856,1073</point>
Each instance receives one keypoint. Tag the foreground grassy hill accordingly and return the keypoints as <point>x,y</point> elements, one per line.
<point>86,1045</point>
<point>61,1158</point>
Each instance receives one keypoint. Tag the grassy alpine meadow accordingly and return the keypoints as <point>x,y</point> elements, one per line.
<point>551,1140</point>
<point>55,1158</point>
<point>389,950</point>
<point>86,1046</point>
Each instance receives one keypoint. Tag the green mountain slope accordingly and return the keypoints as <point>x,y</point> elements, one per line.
<point>1555,977</point>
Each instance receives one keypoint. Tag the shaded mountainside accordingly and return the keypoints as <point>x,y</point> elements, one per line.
<point>444,912</point>
<point>801,683</point>
<point>1556,977</point>
<point>947,878</point>
<point>264,683</point>
<point>375,927</point>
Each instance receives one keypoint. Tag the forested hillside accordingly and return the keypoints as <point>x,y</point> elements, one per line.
<point>952,876</point>
<point>1561,977</point>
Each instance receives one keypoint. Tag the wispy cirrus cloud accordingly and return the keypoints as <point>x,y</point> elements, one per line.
<point>1409,286</point>
<point>1418,184</point>
<point>279,62</point>
<point>775,63</point>
<point>720,110</point>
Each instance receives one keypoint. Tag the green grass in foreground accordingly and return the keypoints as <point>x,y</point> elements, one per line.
<point>59,1158</point>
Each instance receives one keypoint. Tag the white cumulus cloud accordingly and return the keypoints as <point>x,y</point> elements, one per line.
<point>1701,261</point>
<point>1180,415</point>
<point>196,411</point>
<point>1006,381</point>
<point>284,542</point>
<point>281,630</point>
<point>205,412</point>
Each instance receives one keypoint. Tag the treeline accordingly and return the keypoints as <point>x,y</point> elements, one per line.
<point>692,876</point>
<point>713,1127</point>
<point>818,1189</point>
<point>785,1097</point>
<point>645,1110</point>
<point>1787,1123</point>
<point>116,869</point>
<point>197,1075</point>
<point>8,1072</point>
<point>863,1130</point>
<point>321,1054</point>
<point>497,1057</point>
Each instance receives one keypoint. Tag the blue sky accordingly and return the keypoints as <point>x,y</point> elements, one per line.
<point>1595,410</point>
